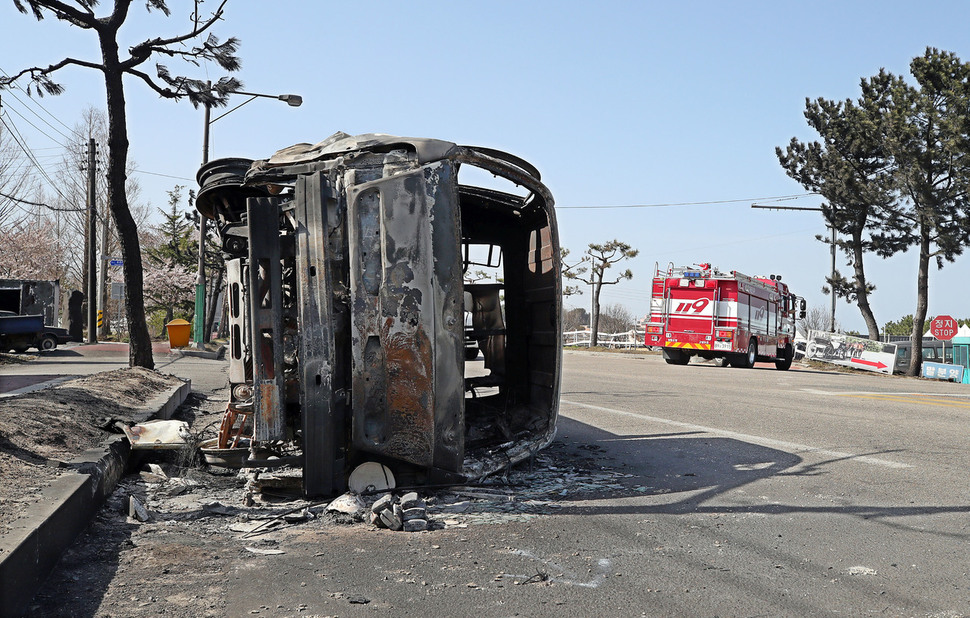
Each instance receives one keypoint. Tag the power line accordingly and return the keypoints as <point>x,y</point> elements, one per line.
<point>163,175</point>
<point>18,138</point>
<point>668,204</point>
<point>38,129</point>
<point>37,104</point>
<point>20,201</point>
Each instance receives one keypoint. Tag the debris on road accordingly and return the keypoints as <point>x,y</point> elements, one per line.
<point>137,510</point>
<point>158,434</point>
<point>408,513</point>
<point>265,552</point>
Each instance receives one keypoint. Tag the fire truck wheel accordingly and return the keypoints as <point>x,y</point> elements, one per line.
<point>746,361</point>
<point>783,362</point>
<point>752,355</point>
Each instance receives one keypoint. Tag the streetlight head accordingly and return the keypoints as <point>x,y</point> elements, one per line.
<point>293,100</point>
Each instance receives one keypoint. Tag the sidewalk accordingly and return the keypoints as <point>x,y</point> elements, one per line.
<point>47,528</point>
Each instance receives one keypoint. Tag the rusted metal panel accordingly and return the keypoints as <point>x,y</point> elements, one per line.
<point>395,316</point>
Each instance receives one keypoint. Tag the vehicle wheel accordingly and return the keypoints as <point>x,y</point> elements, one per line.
<point>674,356</point>
<point>47,343</point>
<point>783,362</point>
<point>20,349</point>
<point>471,354</point>
<point>746,361</point>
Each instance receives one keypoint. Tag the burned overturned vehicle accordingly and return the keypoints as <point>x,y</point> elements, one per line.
<point>349,293</point>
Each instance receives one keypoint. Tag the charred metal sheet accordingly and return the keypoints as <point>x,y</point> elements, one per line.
<point>405,313</point>
<point>265,309</point>
<point>322,402</point>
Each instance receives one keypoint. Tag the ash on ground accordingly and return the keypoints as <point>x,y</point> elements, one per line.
<point>251,503</point>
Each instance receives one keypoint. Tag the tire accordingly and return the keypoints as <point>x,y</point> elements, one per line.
<point>752,356</point>
<point>746,361</point>
<point>20,349</point>
<point>673,356</point>
<point>783,362</point>
<point>47,343</point>
<point>471,353</point>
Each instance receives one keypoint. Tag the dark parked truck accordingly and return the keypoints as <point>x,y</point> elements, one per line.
<point>20,332</point>
<point>347,303</point>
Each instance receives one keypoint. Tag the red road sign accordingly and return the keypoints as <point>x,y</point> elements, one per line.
<point>943,327</point>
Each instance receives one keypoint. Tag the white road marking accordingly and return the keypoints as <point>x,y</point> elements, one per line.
<point>793,447</point>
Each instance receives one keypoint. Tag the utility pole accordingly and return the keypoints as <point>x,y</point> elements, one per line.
<point>198,330</point>
<point>92,282</point>
<point>832,321</point>
<point>105,320</point>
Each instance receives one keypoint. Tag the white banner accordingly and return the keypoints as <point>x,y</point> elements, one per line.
<point>849,351</point>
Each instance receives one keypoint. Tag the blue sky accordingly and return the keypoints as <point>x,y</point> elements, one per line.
<point>662,105</point>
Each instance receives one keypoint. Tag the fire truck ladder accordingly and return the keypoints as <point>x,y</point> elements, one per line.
<point>668,309</point>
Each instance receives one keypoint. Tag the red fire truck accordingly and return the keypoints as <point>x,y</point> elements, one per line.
<point>728,317</point>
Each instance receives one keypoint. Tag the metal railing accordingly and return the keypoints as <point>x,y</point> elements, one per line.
<point>633,338</point>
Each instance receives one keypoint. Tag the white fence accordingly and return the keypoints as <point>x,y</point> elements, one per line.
<point>581,338</point>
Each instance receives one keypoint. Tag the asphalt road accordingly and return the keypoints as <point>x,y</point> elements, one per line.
<point>777,493</point>
<point>751,492</point>
<point>74,360</point>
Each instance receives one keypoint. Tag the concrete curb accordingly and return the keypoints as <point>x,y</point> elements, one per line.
<point>30,550</point>
<point>215,354</point>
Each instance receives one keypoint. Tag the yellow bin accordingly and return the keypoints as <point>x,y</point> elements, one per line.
<point>178,333</point>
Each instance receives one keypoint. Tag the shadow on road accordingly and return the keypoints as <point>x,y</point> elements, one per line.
<point>681,473</point>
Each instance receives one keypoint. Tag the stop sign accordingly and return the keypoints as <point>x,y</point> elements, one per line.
<point>943,327</point>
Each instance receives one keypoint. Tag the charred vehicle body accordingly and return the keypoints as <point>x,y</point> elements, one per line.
<point>347,301</point>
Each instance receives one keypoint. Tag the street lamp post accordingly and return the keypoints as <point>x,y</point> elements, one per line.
<point>293,100</point>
